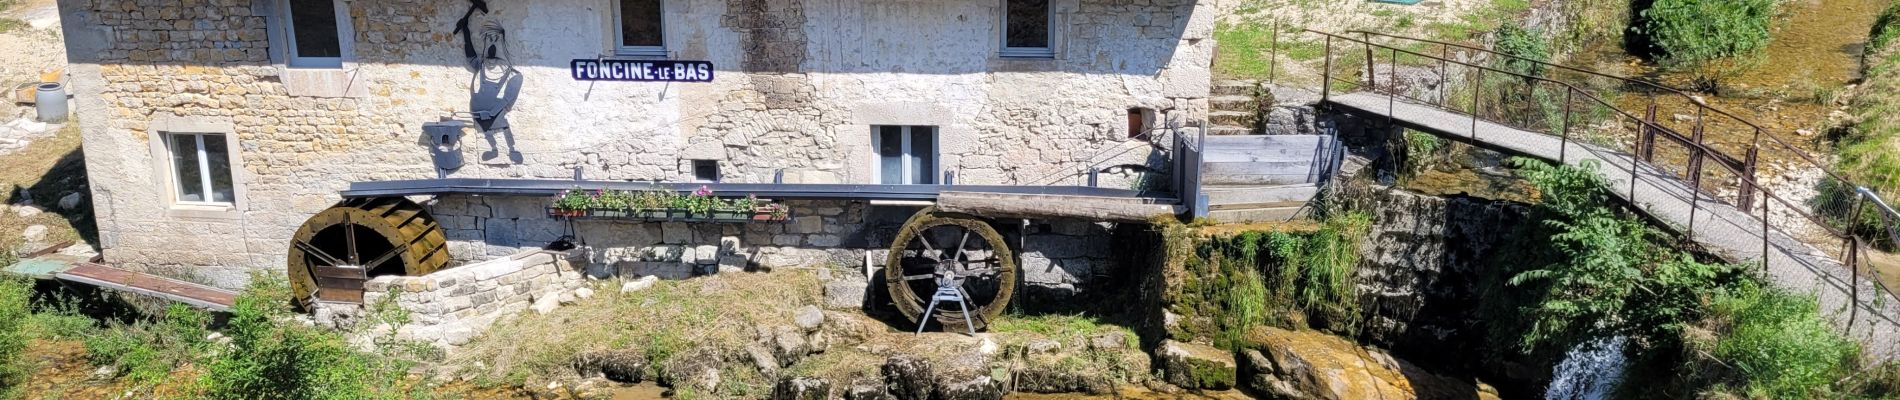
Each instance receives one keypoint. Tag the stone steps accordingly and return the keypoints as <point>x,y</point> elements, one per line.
<point>1234,103</point>
<point>1235,88</point>
<point>1223,130</point>
<point>1257,214</point>
<point>1233,118</point>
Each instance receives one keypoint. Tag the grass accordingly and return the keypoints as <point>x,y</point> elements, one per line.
<point>666,320</point>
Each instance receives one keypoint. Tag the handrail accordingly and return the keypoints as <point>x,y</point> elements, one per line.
<point>1803,154</point>
<point>1747,175</point>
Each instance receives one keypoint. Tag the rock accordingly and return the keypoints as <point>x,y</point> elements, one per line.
<point>1111,341</point>
<point>625,365</point>
<point>639,284</point>
<point>987,346</point>
<point>34,233</point>
<point>762,359</point>
<point>788,345</point>
<point>70,201</point>
<point>907,377</point>
<point>1195,366</point>
<point>1804,132</point>
<point>26,211</point>
<point>809,318</point>
<point>845,294</point>
<point>1314,365</point>
<point>1044,346</point>
<point>566,298</point>
<point>696,369</point>
<point>104,373</point>
<point>967,387</point>
<point>801,388</point>
<point>867,388</point>
<point>545,305</point>
<point>584,293</point>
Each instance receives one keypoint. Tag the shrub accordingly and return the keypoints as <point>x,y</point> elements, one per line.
<point>1516,40</point>
<point>268,359</point>
<point>15,292</point>
<point>147,351</point>
<point>1778,345</point>
<point>1688,32</point>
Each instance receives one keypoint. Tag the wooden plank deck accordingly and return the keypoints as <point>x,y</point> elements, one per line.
<point>1094,208</point>
<point>1719,227</point>
<point>196,295</point>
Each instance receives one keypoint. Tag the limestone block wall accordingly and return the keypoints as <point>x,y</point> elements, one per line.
<point>799,85</point>
<point>450,306</point>
<point>1059,258</point>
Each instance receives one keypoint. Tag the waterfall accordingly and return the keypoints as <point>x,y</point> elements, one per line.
<point>1589,371</point>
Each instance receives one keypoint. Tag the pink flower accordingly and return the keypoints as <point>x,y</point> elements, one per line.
<point>703,191</point>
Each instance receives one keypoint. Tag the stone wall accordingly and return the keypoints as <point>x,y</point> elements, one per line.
<point>1059,258</point>
<point>798,87</point>
<point>1422,268</point>
<point>448,307</point>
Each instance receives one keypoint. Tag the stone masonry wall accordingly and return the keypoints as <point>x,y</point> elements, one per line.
<point>799,86</point>
<point>448,307</point>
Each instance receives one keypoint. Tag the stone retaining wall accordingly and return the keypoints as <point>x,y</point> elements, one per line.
<point>448,307</point>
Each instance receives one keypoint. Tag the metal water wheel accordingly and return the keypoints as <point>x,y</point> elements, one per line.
<point>339,249</point>
<point>959,248</point>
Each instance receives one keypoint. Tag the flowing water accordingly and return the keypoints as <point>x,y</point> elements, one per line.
<point>1589,371</point>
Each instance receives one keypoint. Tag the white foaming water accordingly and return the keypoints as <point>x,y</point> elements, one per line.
<point>1589,371</point>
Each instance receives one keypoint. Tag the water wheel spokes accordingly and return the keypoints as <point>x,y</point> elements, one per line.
<point>337,250</point>
<point>979,263</point>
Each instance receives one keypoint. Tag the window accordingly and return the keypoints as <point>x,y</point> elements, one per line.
<point>642,31</point>
<point>201,168</point>
<point>1026,28</point>
<point>906,155</point>
<point>705,171</point>
<point>315,33</point>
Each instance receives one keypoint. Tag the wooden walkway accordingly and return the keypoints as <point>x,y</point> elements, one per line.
<point>1719,227</point>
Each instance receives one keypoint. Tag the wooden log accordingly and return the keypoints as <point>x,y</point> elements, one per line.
<point>1092,208</point>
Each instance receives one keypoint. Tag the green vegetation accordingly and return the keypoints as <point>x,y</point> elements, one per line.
<point>1266,277</point>
<point>15,292</point>
<point>1514,39</point>
<point>272,358</point>
<point>1778,344</point>
<point>1865,150</point>
<point>1690,32</point>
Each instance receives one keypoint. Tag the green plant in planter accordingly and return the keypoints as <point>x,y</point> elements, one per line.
<point>577,199</point>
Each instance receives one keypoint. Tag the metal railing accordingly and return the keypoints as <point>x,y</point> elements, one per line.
<point>1454,78</point>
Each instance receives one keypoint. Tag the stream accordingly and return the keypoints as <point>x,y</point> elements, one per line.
<point>1589,371</point>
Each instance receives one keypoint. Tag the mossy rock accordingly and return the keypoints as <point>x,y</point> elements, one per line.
<point>1197,366</point>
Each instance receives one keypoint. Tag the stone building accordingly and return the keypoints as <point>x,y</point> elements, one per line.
<point>214,128</point>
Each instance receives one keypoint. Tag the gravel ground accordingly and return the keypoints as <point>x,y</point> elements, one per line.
<point>28,50</point>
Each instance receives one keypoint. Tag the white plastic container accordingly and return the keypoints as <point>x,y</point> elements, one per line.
<point>50,102</point>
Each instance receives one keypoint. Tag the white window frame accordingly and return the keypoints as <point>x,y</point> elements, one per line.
<point>177,186</point>
<point>620,46</point>
<point>345,35</point>
<point>903,151</point>
<point>1002,33</point>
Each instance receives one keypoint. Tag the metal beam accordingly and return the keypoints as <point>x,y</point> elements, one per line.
<point>777,191</point>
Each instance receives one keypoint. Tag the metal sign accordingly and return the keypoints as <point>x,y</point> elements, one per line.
<point>642,70</point>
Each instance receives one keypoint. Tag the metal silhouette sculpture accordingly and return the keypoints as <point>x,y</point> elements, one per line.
<point>495,85</point>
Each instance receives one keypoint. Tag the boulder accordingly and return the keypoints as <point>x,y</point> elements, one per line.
<point>845,294</point>
<point>907,377</point>
<point>809,318</point>
<point>801,388</point>
<point>968,386</point>
<point>639,284</point>
<point>1196,366</point>
<point>70,201</point>
<point>625,365</point>
<point>546,304</point>
<point>867,388</point>
<point>34,233</point>
<point>762,359</point>
<point>583,293</point>
<point>696,370</point>
<point>1314,365</point>
<point>26,211</point>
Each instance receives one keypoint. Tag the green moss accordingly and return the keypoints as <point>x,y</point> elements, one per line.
<point>1222,285</point>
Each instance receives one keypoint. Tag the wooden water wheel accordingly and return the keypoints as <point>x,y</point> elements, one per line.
<point>339,249</point>
<point>960,249</point>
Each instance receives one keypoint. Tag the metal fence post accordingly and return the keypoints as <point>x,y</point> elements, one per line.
<point>1326,72</point>
<point>1563,143</point>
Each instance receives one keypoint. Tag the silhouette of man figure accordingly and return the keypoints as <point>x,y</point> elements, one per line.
<point>493,89</point>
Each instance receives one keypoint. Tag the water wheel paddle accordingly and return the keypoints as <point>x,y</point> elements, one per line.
<point>958,248</point>
<point>338,249</point>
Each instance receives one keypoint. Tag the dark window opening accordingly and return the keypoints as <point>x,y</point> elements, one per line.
<point>906,155</point>
<point>1137,124</point>
<point>314,30</point>
<point>705,171</point>
<point>1026,23</point>
<point>640,23</point>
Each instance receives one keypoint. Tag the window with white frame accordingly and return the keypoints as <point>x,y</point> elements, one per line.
<point>1026,28</point>
<point>641,29</point>
<point>316,32</point>
<point>906,155</point>
<point>201,168</point>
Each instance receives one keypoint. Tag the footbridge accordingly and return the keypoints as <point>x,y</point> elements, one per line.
<point>1715,178</point>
